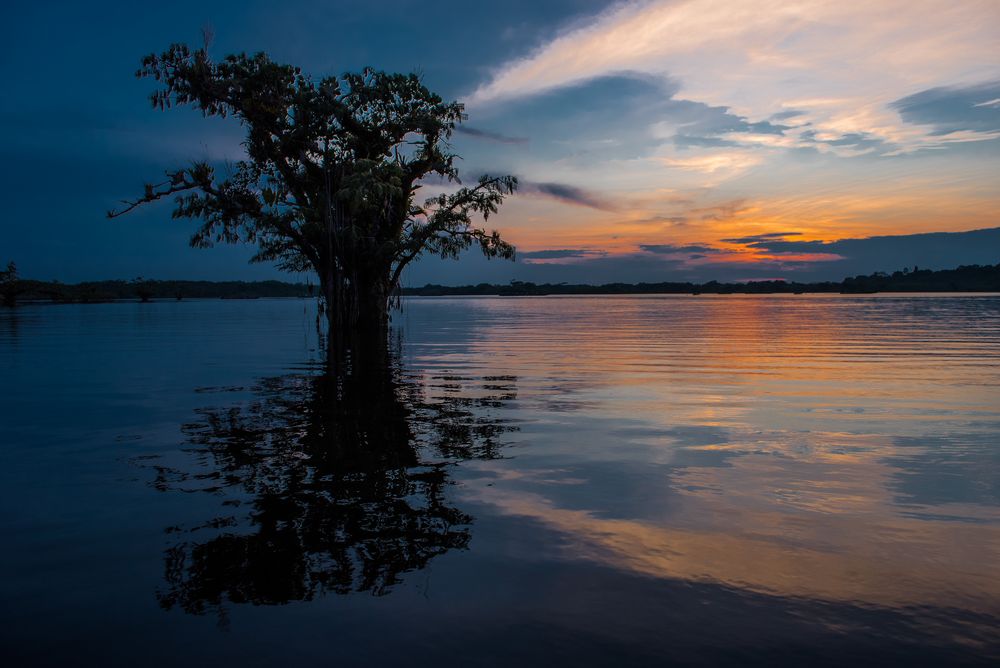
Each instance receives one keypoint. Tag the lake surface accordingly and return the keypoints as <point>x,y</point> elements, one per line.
<point>547,481</point>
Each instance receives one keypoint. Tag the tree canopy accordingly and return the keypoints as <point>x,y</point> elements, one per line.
<point>331,174</point>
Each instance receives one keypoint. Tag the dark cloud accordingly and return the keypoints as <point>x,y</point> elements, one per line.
<point>594,120</point>
<point>855,140</point>
<point>489,136</point>
<point>783,246</point>
<point>656,221</point>
<point>627,105</point>
<point>886,253</point>
<point>764,128</point>
<point>671,249</point>
<point>760,237</point>
<point>782,115</point>
<point>954,109</point>
<point>701,125</point>
<point>939,250</point>
<point>567,193</point>
<point>562,253</point>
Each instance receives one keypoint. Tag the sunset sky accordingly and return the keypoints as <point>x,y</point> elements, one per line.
<point>659,140</point>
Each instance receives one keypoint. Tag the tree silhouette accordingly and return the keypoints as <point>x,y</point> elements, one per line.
<point>10,285</point>
<point>329,182</point>
<point>324,496</point>
<point>143,289</point>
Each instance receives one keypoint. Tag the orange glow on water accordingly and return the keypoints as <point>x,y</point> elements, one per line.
<point>779,430</point>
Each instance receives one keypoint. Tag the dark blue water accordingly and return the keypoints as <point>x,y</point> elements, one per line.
<point>549,481</point>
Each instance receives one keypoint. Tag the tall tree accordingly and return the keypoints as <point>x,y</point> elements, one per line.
<point>329,182</point>
<point>10,285</point>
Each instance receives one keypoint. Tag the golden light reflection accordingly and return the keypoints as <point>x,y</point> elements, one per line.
<point>774,436</point>
<point>832,558</point>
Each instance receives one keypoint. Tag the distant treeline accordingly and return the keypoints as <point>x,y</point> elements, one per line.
<point>145,290</point>
<point>970,278</point>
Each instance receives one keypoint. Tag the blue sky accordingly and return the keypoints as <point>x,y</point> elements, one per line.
<point>675,139</point>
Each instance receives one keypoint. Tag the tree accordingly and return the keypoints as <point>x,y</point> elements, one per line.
<point>143,289</point>
<point>10,285</point>
<point>329,182</point>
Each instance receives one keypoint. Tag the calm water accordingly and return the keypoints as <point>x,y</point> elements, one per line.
<point>550,481</point>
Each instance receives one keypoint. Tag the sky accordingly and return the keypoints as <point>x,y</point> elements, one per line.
<point>655,140</point>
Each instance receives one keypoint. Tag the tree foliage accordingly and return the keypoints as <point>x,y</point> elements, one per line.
<point>331,174</point>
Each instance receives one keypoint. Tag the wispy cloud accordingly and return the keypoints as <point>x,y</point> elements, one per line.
<point>673,249</point>
<point>833,66</point>
<point>725,162</point>
<point>721,211</point>
<point>568,194</point>
<point>756,238</point>
<point>489,136</point>
<point>560,255</point>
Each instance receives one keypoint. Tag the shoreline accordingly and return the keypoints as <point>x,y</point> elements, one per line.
<point>887,293</point>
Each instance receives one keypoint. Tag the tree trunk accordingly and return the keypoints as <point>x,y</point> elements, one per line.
<point>358,333</point>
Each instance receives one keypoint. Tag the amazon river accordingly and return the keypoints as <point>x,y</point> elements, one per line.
<point>695,480</point>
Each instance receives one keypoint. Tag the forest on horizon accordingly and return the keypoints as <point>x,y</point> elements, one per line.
<point>969,278</point>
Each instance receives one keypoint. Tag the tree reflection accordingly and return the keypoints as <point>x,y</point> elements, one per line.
<point>326,487</point>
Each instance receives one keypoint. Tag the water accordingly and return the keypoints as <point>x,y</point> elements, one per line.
<point>547,481</point>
